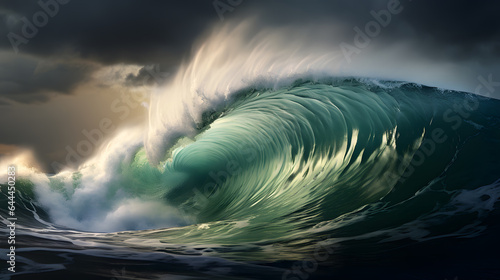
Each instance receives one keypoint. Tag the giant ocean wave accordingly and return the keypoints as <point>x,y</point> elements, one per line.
<point>251,176</point>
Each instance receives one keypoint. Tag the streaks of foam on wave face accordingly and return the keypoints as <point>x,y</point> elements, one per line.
<point>302,153</point>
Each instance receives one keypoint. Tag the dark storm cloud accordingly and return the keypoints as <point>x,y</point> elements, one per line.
<point>27,79</point>
<point>464,29</point>
<point>154,32</point>
<point>146,32</point>
<point>147,76</point>
<point>458,22</point>
<point>106,32</point>
<point>140,79</point>
<point>115,31</point>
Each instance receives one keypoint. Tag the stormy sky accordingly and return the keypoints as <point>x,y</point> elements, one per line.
<point>64,65</point>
